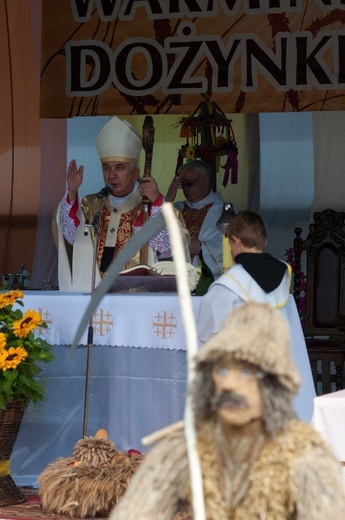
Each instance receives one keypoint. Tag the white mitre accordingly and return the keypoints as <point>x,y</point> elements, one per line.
<point>118,141</point>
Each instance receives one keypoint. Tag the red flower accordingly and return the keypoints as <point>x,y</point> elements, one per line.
<point>133,453</point>
<point>302,304</point>
<point>303,285</point>
<point>206,153</point>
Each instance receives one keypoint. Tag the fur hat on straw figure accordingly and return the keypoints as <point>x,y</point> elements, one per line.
<point>89,483</point>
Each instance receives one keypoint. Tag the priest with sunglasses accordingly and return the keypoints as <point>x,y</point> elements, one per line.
<point>201,210</point>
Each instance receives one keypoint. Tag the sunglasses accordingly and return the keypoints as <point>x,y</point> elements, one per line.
<point>189,184</point>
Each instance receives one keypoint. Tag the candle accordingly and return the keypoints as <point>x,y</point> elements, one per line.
<point>227,259</point>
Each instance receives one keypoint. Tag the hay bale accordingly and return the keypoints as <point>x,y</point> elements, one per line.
<point>89,483</point>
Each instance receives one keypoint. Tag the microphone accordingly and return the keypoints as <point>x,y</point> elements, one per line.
<point>87,226</point>
<point>105,191</point>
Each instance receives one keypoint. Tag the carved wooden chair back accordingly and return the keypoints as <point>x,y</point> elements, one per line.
<point>324,320</point>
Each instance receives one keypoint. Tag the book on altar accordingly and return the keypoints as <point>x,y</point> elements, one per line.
<point>163,268</point>
<point>159,277</point>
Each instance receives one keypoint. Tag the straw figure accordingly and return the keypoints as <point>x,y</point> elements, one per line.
<point>258,460</point>
<point>89,483</point>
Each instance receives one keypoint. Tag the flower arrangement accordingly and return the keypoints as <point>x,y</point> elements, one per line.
<point>20,352</point>
<point>209,135</point>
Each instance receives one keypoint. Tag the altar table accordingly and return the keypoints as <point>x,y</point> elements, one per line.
<point>138,374</point>
<point>329,420</point>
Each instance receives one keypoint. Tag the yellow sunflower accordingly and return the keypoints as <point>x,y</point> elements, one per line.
<point>190,152</point>
<point>9,298</point>
<point>26,324</point>
<point>12,357</point>
<point>2,341</point>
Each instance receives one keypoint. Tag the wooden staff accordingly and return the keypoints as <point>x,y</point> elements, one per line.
<point>148,140</point>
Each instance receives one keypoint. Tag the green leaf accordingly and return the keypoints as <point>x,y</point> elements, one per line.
<point>2,403</point>
<point>205,279</point>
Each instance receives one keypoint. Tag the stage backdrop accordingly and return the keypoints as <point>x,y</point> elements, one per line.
<point>103,57</point>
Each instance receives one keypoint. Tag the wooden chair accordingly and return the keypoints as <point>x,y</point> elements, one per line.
<point>324,318</point>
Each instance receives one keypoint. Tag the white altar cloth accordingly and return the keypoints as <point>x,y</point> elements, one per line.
<point>131,320</point>
<point>329,420</point>
<point>148,320</point>
<point>133,391</point>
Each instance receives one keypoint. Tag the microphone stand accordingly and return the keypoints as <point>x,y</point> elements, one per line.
<point>95,225</point>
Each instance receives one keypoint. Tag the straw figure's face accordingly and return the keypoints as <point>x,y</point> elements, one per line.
<point>237,399</point>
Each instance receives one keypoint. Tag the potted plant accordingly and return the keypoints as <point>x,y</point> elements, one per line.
<point>21,355</point>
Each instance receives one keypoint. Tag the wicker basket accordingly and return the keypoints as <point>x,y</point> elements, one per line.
<point>10,421</point>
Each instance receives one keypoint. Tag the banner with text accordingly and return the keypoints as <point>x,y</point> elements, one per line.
<point>104,57</point>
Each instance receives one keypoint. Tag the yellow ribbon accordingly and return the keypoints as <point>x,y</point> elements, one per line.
<point>227,258</point>
<point>4,468</point>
